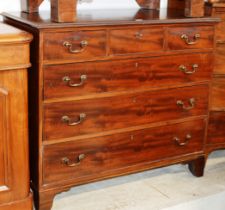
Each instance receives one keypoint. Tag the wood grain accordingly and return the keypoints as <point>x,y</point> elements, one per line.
<point>175,42</point>
<point>96,45</point>
<point>63,10</point>
<point>108,113</point>
<point>218,93</point>
<point>118,98</point>
<point>14,169</point>
<point>108,77</point>
<point>216,131</point>
<point>109,153</point>
<point>137,40</point>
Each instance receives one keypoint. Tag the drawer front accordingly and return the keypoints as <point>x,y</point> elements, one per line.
<point>102,77</point>
<point>68,119</point>
<point>218,94</point>
<point>180,38</point>
<point>102,156</point>
<point>74,45</point>
<point>216,131</point>
<point>139,40</point>
<point>220,58</point>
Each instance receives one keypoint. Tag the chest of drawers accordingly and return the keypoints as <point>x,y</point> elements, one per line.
<point>14,165</point>
<point>110,97</point>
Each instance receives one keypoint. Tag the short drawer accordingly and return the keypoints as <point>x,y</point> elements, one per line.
<point>216,131</point>
<point>73,118</point>
<point>218,94</point>
<point>105,156</point>
<point>137,40</point>
<point>75,45</point>
<point>195,37</point>
<point>88,78</point>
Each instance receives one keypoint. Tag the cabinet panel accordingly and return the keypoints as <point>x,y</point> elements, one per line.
<point>4,148</point>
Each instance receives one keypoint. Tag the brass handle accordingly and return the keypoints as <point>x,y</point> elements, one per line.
<point>139,35</point>
<point>69,163</point>
<point>83,45</point>
<point>185,37</point>
<point>184,69</point>
<point>179,143</point>
<point>69,122</point>
<point>182,104</point>
<point>67,80</point>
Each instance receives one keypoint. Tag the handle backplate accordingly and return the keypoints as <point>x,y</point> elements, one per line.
<point>70,163</point>
<point>70,47</point>
<point>187,139</point>
<point>190,41</point>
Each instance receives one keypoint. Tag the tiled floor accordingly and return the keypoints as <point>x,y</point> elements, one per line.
<point>170,188</point>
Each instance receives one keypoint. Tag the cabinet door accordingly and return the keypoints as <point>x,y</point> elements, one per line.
<point>4,148</point>
<point>14,176</point>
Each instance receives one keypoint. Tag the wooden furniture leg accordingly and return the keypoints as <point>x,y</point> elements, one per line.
<point>197,166</point>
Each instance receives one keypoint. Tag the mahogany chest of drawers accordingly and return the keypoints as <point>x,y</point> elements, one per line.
<point>14,165</point>
<point>117,94</point>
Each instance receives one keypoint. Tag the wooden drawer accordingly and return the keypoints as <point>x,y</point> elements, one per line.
<point>101,77</point>
<point>122,111</point>
<point>196,37</point>
<point>220,58</point>
<point>218,94</point>
<point>103,156</point>
<point>216,131</point>
<point>138,40</point>
<point>76,45</point>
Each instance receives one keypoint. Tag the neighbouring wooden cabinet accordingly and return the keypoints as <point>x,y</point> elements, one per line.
<point>216,130</point>
<point>114,94</point>
<point>14,159</point>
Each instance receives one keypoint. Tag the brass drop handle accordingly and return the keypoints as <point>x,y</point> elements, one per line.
<point>187,40</point>
<point>185,70</point>
<point>179,143</point>
<point>70,163</point>
<point>69,122</point>
<point>182,104</point>
<point>68,80</point>
<point>83,45</point>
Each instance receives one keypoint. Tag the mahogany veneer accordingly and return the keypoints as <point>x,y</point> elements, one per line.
<point>14,170</point>
<point>216,131</point>
<point>113,96</point>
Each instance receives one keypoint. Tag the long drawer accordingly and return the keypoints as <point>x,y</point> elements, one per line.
<point>73,118</point>
<point>98,157</point>
<point>101,77</point>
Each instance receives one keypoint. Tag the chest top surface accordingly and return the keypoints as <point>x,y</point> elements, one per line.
<point>42,20</point>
